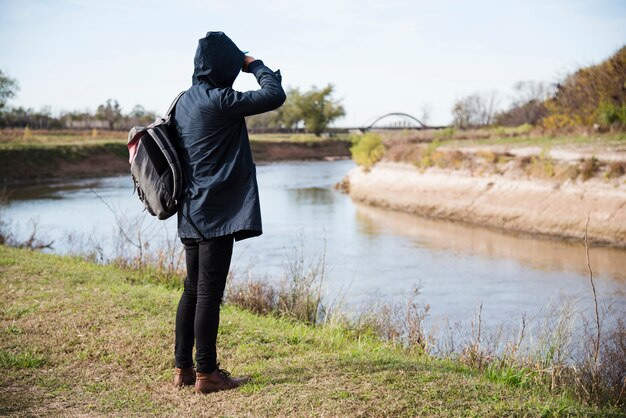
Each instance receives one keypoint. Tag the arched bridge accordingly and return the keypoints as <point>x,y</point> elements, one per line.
<point>395,120</point>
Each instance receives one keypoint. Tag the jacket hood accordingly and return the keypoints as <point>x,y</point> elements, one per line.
<point>218,61</point>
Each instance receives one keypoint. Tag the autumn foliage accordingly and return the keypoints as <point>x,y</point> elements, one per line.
<point>594,95</point>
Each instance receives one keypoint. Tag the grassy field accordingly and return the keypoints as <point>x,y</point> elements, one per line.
<point>509,137</point>
<point>12,138</point>
<point>602,142</point>
<point>78,338</point>
<point>298,138</point>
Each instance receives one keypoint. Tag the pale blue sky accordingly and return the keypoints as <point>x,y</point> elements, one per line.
<point>382,56</point>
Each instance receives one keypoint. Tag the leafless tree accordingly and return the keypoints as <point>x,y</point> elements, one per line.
<point>477,109</point>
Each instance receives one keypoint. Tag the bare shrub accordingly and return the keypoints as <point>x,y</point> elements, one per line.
<point>553,346</point>
<point>259,296</point>
<point>403,150</point>
<point>297,295</point>
<point>612,369</point>
<point>32,242</point>
<point>137,247</point>
<point>527,106</point>
<point>400,323</point>
<point>301,285</point>
<point>589,167</point>
<point>87,247</point>
<point>616,169</point>
<point>8,236</point>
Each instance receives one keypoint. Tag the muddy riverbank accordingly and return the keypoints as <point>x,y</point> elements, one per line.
<point>528,205</point>
<point>43,162</point>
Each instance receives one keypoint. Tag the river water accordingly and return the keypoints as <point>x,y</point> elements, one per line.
<point>369,254</point>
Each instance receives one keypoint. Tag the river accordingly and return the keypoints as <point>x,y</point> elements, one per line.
<point>369,254</point>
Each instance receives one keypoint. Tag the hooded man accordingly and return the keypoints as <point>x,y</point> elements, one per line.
<point>220,200</point>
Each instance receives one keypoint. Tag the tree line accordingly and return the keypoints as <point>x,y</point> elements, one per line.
<point>310,111</point>
<point>108,115</point>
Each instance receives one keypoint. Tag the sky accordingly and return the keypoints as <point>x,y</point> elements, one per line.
<point>381,56</point>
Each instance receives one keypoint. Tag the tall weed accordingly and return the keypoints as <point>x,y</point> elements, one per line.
<point>367,150</point>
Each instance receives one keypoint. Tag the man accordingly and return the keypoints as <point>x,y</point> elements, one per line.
<point>220,202</point>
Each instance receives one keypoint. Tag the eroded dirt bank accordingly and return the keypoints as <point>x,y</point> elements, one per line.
<point>38,163</point>
<point>526,205</point>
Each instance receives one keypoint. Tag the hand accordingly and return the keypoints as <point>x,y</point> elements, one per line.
<point>246,61</point>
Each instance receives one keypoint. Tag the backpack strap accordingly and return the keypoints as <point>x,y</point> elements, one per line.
<point>171,108</point>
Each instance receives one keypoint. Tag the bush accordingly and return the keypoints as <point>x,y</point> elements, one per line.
<point>611,114</point>
<point>429,156</point>
<point>590,95</point>
<point>367,149</point>
<point>446,133</point>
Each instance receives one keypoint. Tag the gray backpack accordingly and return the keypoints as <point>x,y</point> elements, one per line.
<point>154,165</point>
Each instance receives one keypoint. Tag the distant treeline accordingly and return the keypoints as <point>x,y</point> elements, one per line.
<point>310,111</point>
<point>593,96</point>
<point>107,116</point>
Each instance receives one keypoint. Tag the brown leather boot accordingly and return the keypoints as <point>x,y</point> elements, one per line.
<point>184,377</point>
<point>220,379</point>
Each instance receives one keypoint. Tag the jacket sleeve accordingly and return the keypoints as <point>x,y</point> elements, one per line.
<point>269,97</point>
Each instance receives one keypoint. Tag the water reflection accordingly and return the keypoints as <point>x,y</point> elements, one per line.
<point>312,196</point>
<point>53,190</point>
<point>543,254</point>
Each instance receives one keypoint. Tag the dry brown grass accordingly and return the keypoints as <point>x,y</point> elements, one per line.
<point>58,136</point>
<point>106,345</point>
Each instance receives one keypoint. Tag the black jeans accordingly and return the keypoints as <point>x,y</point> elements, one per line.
<point>198,313</point>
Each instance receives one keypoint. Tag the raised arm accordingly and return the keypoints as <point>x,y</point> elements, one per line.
<point>269,97</point>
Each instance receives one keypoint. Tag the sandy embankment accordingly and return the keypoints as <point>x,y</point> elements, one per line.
<point>530,206</point>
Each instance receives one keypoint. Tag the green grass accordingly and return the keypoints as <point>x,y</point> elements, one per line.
<point>23,360</point>
<point>69,142</point>
<point>95,340</point>
<point>46,141</point>
<point>32,138</point>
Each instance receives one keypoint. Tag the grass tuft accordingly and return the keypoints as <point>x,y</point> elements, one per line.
<point>22,360</point>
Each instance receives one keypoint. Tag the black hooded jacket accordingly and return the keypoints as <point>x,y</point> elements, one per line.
<point>221,193</point>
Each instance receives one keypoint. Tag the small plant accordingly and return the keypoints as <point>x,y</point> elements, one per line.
<point>499,132</point>
<point>611,114</point>
<point>489,156</point>
<point>427,156</point>
<point>542,166</point>
<point>399,323</point>
<point>367,150</point>
<point>23,360</point>
<point>589,168</point>
<point>524,129</point>
<point>616,169</point>
<point>509,375</point>
<point>446,133</point>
